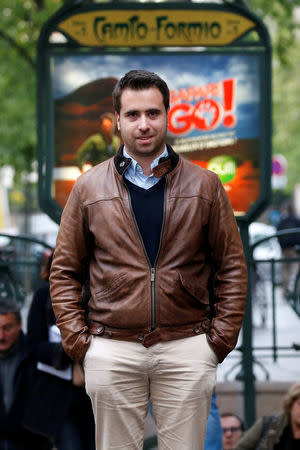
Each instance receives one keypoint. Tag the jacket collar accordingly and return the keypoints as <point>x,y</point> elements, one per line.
<point>166,164</point>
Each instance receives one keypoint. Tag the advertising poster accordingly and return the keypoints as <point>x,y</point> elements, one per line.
<point>214,117</point>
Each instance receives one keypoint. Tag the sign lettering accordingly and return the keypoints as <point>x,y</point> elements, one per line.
<point>156,28</point>
<point>207,113</point>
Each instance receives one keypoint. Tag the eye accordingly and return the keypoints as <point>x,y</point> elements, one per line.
<point>132,115</point>
<point>153,114</point>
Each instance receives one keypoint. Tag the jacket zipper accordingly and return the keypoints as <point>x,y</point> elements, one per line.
<point>152,269</point>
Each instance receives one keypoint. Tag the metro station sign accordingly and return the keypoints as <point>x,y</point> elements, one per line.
<point>155,28</point>
<point>216,60</point>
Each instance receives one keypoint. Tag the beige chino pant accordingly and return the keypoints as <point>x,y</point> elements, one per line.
<point>178,375</point>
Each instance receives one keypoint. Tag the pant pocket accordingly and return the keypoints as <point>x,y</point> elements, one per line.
<point>211,354</point>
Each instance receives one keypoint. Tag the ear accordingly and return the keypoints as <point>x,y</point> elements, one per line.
<point>118,120</point>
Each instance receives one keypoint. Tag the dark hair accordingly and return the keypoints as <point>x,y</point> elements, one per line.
<point>138,80</point>
<point>10,306</point>
<point>230,414</point>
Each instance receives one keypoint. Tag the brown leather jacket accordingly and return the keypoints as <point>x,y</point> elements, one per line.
<point>200,243</point>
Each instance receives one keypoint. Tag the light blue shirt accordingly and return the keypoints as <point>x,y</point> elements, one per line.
<point>134,172</point>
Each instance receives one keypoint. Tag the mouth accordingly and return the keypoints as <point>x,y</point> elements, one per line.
<point>144,139</point>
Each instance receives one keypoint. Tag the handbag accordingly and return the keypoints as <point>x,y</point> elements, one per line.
<point>78,378</point>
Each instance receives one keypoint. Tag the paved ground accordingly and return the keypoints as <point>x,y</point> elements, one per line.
<point>287,367</point>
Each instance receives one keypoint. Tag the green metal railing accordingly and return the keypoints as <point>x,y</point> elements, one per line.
<point>21,261</point>
<point>274,350</point>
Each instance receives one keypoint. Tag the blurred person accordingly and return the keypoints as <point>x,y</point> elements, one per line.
<point>232,428</point>
<point>288,219</point>
<point>100,146</point>
<point>158,234</point>
<point>213,440</point>
<point>17,376</point>
<point>276,431</point>
<point>65,411</point>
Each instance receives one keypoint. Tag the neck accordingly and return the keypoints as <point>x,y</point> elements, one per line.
<point>145,161</point>
<point>107,137</point>
<point>146,165</point>
<point>296,430</point>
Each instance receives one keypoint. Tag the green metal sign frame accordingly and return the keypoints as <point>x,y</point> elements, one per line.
<point>206,31</point>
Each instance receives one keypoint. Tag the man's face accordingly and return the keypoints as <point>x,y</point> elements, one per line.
<point>232,432</point>
<point>143,122</point>
<point>10,330</point>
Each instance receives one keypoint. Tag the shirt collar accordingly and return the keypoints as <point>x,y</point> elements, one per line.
<point>134,164</point>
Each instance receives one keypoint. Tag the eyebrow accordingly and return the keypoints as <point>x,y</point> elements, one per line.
<point>150,110</point>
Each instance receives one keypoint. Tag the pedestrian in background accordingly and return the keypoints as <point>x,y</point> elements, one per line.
<point>65,410</point>
<point>232,428</point>
<point>276,431</point>
<point>160,237</point>
<point>17,376</point>
<point>213,440</point>
<point>288,244</point>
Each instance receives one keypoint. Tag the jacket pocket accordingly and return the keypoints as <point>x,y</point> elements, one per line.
<point>111,286</point>
<point>192,287</point>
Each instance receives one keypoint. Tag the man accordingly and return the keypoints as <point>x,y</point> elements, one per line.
<point>16,378</point>
<point>233,429</point>
<point>288,243</point>
<point>99,146</point>
<point>156,232</point>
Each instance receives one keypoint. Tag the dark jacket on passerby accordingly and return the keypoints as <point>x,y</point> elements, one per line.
<point>130,299</point>
<point>13,434</point>
<point>288,220</point>
<point>56,401</point>
<point>271,432</point>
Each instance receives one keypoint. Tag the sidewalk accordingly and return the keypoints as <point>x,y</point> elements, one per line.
<point>287,366</point>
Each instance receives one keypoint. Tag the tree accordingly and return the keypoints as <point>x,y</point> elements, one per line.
<point>279,18</point>
<point>21,21</point>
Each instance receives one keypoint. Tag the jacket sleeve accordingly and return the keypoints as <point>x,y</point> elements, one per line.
<point>251,438</point>
<point>50,353</point>
<point>230,281</point>
<point>67,277</point>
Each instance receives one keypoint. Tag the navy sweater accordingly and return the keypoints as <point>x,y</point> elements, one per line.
<point>148,208</point>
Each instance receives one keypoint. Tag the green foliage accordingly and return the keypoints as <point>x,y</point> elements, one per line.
<point>21,21</point>
<point>278,16</point>
<point>286,115</point>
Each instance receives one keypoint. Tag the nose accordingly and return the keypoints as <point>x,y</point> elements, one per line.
<point>143,123</point>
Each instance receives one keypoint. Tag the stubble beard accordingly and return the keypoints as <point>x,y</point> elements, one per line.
<point>140,152</point>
